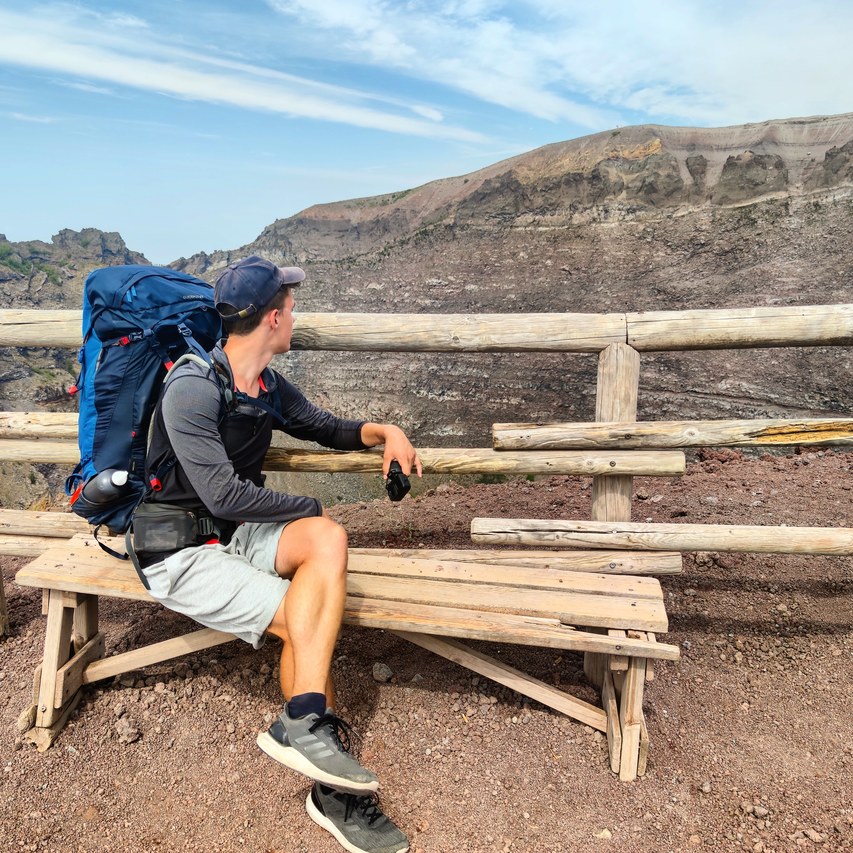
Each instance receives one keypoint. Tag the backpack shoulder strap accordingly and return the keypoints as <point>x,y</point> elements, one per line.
<point>240,398</point>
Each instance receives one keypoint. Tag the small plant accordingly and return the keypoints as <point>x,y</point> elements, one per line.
<point>52,274</point>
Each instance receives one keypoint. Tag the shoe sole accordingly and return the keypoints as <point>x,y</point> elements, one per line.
<point>321,820</point>
<point>295,760</point>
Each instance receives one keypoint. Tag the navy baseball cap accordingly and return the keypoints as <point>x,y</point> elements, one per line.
<point>246,286</point>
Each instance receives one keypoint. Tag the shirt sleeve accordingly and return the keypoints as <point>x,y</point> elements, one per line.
<point>191,408</point>
<point>309,422</point>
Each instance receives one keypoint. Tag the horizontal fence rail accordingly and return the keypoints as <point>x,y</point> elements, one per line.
<point>736,328</point>
<point>458,460</point>
<point>662,434</point>
<point>665,537</point>
<point>38,425</point>
<point>727,328</point>
<point>458,332</point>
<point>377,332</point>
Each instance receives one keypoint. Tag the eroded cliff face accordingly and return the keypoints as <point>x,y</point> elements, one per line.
<point>646,172</point>
<point>35,274</point>
<point>781,251</point>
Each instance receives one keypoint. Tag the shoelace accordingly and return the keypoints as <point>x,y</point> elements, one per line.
<point>366,805</point>
<point>340,729</point>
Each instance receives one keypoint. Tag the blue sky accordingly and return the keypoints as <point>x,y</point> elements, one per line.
<point>189,125</point>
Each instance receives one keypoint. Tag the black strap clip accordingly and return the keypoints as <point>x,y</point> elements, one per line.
<point>205,525</point>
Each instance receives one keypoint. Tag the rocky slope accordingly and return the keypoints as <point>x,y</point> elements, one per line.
<point>630,173</point>
<point>640,218</point>
<point>35,274</point>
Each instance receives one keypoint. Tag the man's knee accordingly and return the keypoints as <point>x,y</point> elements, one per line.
<point>329,536</point>
<point>319,540</point>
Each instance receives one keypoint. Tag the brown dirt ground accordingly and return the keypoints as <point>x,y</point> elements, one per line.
<point>751,732</point>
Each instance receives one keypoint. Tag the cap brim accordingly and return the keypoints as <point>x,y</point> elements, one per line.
<point>290,275</point>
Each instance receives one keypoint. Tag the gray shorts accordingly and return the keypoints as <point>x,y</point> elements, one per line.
<point>232,587</point>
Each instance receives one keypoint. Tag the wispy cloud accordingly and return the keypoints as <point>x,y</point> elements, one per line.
<point>570,60</point>
<point>85,87</point>
<point>473,47</point>
<point>59,44</point>
<point>428,112</point>
<point>36,119</point>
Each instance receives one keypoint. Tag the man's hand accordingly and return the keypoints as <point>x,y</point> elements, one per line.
<point>397,446</point>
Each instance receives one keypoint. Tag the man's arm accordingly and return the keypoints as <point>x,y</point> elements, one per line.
<point>397,446</point>
<point>310,422</point>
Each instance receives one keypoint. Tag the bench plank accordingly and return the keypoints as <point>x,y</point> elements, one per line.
<point>494,627</point>
<point>80,566</point>
<point>568,608</point>
<point>487,573</point>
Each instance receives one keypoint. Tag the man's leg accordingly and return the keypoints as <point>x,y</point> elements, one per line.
<point>312,553</point>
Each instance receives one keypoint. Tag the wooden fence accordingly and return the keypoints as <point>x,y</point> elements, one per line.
<point>612,451</point>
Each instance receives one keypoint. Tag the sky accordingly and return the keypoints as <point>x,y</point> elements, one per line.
<point>189,126</point>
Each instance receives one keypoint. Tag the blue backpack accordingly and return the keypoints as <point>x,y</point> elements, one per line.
<point>137,321</point>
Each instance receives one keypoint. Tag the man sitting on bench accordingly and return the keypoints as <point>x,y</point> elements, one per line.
<point>274,563</point>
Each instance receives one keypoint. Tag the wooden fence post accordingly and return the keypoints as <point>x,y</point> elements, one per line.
<point>616,400</point>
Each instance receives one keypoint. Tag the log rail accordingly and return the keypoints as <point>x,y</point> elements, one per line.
<point>649,331</point>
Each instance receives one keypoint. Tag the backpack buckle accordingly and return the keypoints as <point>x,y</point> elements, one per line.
<point>205,525</point>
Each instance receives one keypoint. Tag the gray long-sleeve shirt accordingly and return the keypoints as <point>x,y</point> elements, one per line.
<point>219,458</point>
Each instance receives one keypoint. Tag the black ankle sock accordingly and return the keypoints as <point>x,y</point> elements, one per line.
<point>307,703</point>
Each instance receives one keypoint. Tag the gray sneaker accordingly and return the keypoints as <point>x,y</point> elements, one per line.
<point>356,822</point>
<point>312,745</point>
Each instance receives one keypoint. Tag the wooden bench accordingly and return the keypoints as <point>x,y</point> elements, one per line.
<point>617,617</point>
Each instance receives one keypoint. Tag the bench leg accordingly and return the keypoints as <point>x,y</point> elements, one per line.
<point>614,725</point>
<point>622,698</point>
<point>71,641</point>
<point>631,718</point>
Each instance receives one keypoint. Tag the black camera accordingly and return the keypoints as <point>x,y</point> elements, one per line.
<point>397,484</point>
